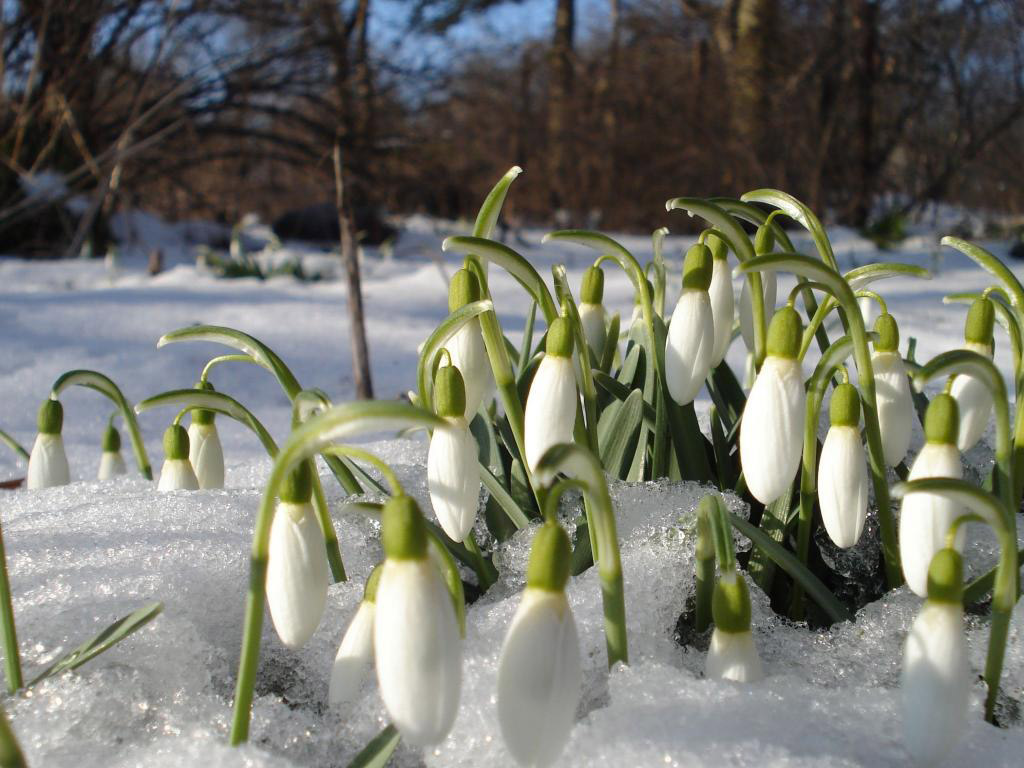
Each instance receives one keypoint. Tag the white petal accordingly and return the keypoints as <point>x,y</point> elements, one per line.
<point>354,656</point>
<point>206,455</point>
<point>111,465</point>
<point>723,307</point>
<point>769,286</point>
<point>539,678</point>
<point>453,478</point>
<point>772,430</point>
<point>895,405</point>
<point>550,407</point>
<point>47,464</point>
<point>688,348</point>
<point>843,485</point>
<point>925,518</point>
<point>296,573</point>
<point>733,656</point>
<point>177,475</point>
<point>593,320</point>
<point>974,403</point>
<point>469,355</point>
<point>418,649</point>
<point>936,682</point>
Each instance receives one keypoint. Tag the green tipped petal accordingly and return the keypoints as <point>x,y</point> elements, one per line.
<point>946,577</point>
<point>464,289</point>
<point>176,442</point>
<point>942,420</point>
<point>764,240</point>
<point>844,410</point>
<point>592,291</point>
<point>403,530</point>
<point>297,487</point>
<point>697,267</point>
<point>888,333</point>
<point>550,559</point>
<point>784,334</point>
<point>51,417</point>
<point>111,439</point>
<point>449,392</point>
<point>730,604</point>
<point>559,341</point>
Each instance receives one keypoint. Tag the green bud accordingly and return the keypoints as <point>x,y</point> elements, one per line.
<point>784,334</point>
<point>844,409</point>
<point>176,442</point>
<point>297,487</point>
<point>592,291</point>
<point>449,392</point>
<point>51,417</point>
<point>111,440</point>
<point>403,530</point>
<point>981,318</point>
<point>719,250</point>
<point>888,333</point>
<point>730,604</point>
<point>697,268</point>
<point>764,240</point>
<point>202,415</point>
<point>559,341</point>
<point>942,420</point>
<point>550,559</point>
<point>946,577</point>
<point>370,590</point>
<point>464,289</point>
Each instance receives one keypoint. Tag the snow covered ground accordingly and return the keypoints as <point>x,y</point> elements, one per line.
<point>85,554</point>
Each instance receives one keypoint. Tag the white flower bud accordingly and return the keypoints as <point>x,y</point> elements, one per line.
<point>688,348</point>
<point>592,317</point>
<point>550,407</point>
<point>355,655</point>
<point>723,308</point>
<point>843,485</point>
<point>453,478</point>
<point>733,656</point>
<point>48,463</point>
<point>469,355</point>
<point>206,455</point>
<point>296,573</point>
<point>772,430</point>
<point>895,405</point>
<point>974,400</point>
<point>177,475</point>
<point>111,465</point>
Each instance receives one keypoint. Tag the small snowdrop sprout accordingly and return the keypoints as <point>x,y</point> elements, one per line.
<point>892,391</point>
<point>297,562</point>
<point>592,312</point>
<point>466,348</point>
<point>926,518</point>
<point>691,333</point>
<point>973,397</point>
<point>453,474</point>
<point>416,632</point>
<point>551,404</point>
<point>771,433</point>
<point>723,302</point>
<point>355,655</point>
<point>843,470</point>
<point>732,654</point>
<point>177,473</point>
<point>539,671</point>
<point>48,463</point>
<point>936,677</point>
<point>205,452</point>
<point>111,461</point>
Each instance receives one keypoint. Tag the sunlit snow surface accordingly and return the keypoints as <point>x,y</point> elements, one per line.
<point>84,555</point>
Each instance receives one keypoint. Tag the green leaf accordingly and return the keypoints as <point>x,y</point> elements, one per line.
<point>377,753</point>
<point>436,341</point>
<point>622,434</point>
<point>620,392</point>
<point>723,462</point>
<point>603,245</point>
<point>524,351</point>
<point>994,266</point>
<point>773,525</point>
<point>800,213</point>
<point>13,444</point>
<point>611,343</point>
<point>633,368</point>
<point>503,498</point>
<point>487,217</point>
<point>861,277</point>
<point>105,640</point>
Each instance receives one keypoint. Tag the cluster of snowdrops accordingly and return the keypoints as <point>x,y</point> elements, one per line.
<point>541,426</point>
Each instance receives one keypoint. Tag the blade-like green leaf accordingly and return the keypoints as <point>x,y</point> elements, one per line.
<point>800,213</point>
<point>988,262</point>
<point>621,392</point>
<point>377,753</point>
<point>622,434</point>
<point>487,217</point>
<point>861,277</point>
<point>503,498</point>
<point>611,343</point>
<point>13,444</point>
<point>192,399</point>
<point>436,341</point>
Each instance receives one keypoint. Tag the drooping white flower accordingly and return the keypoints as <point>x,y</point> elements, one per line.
<point>111,461</point>
<point>892,392</point>
<point>466,348</point>
<point>973,398</point>
<point>843,471</point>
<point>453,472</point>
<point>723,302</point>
<point>355,654</point>
<point>691,334</point>
<point>771,433</point>
<point>925,518</point>
<point>296,562</point>
<point>592,313</point>
<point>48,463</point>
<point>936,677</point>
<point>732,654</point>
<point>416,634</point>
<point>177,473</point>
<point>539,672</point>
<point>551,404</point>
<point>205,451</point>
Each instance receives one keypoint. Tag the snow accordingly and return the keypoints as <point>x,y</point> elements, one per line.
<point>86,554</point>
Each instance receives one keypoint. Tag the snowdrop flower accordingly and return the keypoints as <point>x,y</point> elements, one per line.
<point>592,314</point>
<point>177,473</point>
<point>973,398</point>
<point>415,634</point>
<point>892,392</point>
<point>48,464</point>
<point>551,403</point>
<point>723,304</point>
<point>691,333</point>
<point>539,672</point>
<point>925,518</point>
<point>466,348</point>
<point>763,243</point>
<point>771,433</point>
<point>205,452</point>
<point>936,678</point>
<point>355,655</point>
<point>453,473</point>
<point>296,562</point>
<point>111,461</point>
<point>732,654</point>
<point>843,471</point>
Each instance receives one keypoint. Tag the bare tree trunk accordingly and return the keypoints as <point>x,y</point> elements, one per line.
<point>360,351</point>
<point>559,117</point>
<point>751,80</point>
<point>865,27</point>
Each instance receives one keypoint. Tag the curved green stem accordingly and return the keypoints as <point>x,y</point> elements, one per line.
<point>105,386</point>
<point>801,214</point>
<point>205,375</point>
<point>866,294</point>
<point>13,444</point>
<point>351,452</point>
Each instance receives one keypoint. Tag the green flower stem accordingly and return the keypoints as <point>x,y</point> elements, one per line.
<point>579,463</point>
<point>336,423</point>
<point>1004,594</point>
<point>815,270</point>
<point>10,751</point>
<point>12,655</point>
<point>658,243</point>
<point>13,444</point>
<point>105,386</point>
<point>866,294</point>
<point>208,368</point>
<point>209,400</point>
<point>705,567</point>
<point>833,358</point>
